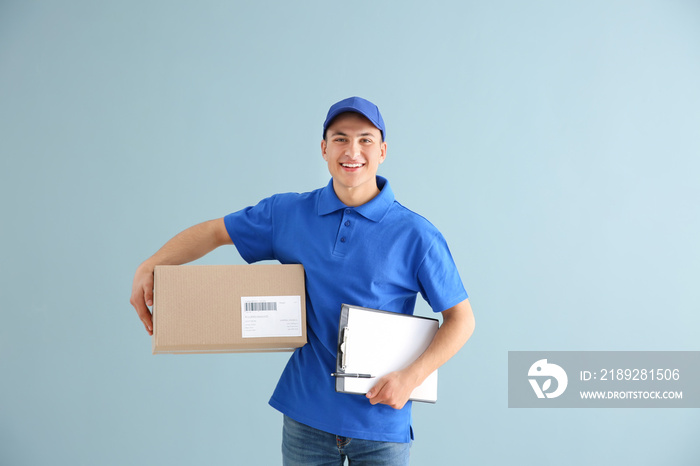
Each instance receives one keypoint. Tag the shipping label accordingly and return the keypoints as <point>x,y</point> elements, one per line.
<point>271,316</point>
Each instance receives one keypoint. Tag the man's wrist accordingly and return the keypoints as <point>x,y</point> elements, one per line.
<point>414,375</point>
<point>147,266</point>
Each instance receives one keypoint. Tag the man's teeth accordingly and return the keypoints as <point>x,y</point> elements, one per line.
<point>352,165</point>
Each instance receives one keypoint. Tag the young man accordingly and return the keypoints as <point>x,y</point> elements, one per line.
<point>358,246</point>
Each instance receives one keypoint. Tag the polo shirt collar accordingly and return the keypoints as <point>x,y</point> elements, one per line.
<point>373,210</point>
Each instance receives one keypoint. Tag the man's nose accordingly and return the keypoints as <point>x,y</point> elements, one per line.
<point>354,150</point>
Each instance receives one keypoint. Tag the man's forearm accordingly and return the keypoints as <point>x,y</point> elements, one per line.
<point>190,244</point>
<point>457,327</point>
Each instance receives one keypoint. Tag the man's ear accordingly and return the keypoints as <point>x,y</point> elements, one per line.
<point>323,150</point>
<point>383,156</point>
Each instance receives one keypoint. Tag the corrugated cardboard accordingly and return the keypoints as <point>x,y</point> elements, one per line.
<point>197,308</point>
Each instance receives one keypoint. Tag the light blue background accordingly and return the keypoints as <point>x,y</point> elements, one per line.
<point>555,144</point>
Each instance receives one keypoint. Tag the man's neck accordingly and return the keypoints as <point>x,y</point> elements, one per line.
<point>354,197</point>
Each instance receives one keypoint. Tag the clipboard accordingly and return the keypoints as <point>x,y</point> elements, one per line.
<point>373,343</point>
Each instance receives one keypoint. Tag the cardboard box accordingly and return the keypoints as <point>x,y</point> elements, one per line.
<point>228,308</point>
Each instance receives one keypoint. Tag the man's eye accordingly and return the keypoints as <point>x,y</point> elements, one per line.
<point>339,139</point>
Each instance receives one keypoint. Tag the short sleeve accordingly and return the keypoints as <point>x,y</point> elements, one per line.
<point>251,230</point>
<point>438,277</point>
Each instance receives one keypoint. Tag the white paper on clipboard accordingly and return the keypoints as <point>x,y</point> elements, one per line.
<point>379,342</point>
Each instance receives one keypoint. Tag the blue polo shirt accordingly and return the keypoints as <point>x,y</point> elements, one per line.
<point>378,255</point>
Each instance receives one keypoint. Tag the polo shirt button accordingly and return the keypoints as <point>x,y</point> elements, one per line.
<point>342,240</point>
<point>347,223</point>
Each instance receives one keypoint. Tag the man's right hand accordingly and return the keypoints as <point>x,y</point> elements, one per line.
<point>185,247</point>
<point>142,295</point>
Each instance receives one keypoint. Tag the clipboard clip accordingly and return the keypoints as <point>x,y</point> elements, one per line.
<point>342,347</point>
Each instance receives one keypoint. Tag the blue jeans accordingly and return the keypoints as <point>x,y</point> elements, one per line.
<point>304,445</point>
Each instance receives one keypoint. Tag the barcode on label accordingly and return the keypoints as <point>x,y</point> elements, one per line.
<point>265,306</point>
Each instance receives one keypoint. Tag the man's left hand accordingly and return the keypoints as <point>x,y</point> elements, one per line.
<point>393,389</point>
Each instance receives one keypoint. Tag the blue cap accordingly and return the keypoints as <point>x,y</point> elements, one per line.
<point>357,105</point>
